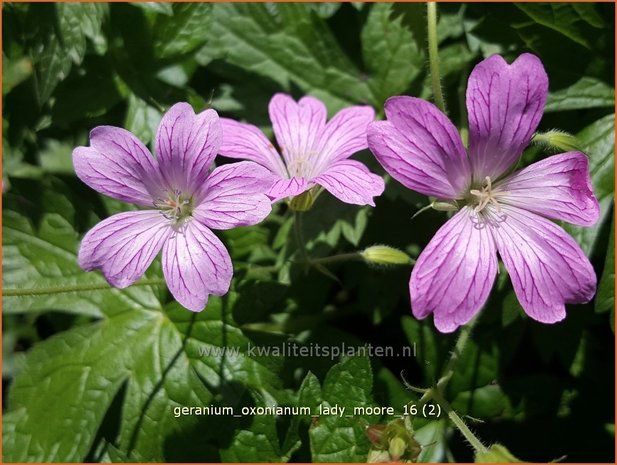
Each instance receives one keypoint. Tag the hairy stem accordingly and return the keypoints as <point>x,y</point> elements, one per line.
<point>433,55</point>
<point>73,288</point>
<point>448,371</point>
<point>458,421</point>
<point>436,392</point>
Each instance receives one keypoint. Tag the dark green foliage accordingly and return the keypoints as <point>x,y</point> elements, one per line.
<point>95,374</point>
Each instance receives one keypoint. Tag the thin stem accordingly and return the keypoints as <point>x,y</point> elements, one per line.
<point>300,236</point>
<point>344,257</point>
<point>463,337</point>
<point>458,422</point>
<point>462,106</point>
<point>72,288</point>
<point>433,55</point>
<point>436,392</point>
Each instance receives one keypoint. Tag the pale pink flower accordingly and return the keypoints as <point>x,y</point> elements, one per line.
<point>314,152</point>
<point>499,212</point>
<point>183,201</point>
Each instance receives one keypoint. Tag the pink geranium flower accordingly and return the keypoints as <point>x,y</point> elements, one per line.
<point>498,212</point>
<point>315,153</point>
<point>183,200</point>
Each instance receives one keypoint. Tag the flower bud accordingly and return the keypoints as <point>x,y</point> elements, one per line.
<point>557,139</point>
<point>384,255</point>
<point>378,456</point>
<point>397,448</point>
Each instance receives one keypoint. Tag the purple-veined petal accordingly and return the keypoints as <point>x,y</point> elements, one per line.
<point>419,147</point>
<point>558,187</point>
<point>196,264</point>
<point>118,165</point>
<point>124,245</point>
<point>547,267</point>
<point>351,182</point>
<point>296,125</point>
<point>454,274</point>
<point>284,188</point>
<point>235,195</point>
<point>245,141</point>
<point>186,145</point>
<point>505,104</point>
<point>343,135</point>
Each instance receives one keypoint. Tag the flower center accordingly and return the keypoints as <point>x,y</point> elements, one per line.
<point>482,198</point>
<point>175,207</point>
<point>302,165</point>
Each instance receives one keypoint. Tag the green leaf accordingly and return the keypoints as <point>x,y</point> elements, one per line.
<point>52,65</point>
<point>259,442</point>
<point>430,347</point>
<point>342,439</point>
<point>454,59</point>
<point>496,453</point>
<point>250,241</point>
<point>13,165</point>
<point>289,44</point>
<point>55,48</point>
<point>142,119</point>
<point>589,13</point>
<point>160,355</point>
<point>44,259</point>
<point>585,93</point>
<point>56,157</point>
<point>324,10</point>
<point>561,17</point>
<point>390,53</point>
<point>163,8</point>
<point>14,72</point>
<point>605,297</point>
<point>183,32</point>
<point>76,22</point>
<point>88,96</point>
<point>598,142</point>
<point>330,218</point>
<point>432,438</point>
<point>177,372</point>
<point>79,371</point>
<point>167,357</point>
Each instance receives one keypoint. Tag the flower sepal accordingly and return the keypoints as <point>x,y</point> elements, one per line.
<point>393,442</point>
<point>304,202</point>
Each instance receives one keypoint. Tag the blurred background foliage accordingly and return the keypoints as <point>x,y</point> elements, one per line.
<point>95,375</point>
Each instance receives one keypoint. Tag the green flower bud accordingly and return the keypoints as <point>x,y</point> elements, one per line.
<point>397,448</point>
<point>385,255</point>
<point>557,139</point>
<point>378,456</point>
<point>496,454</point>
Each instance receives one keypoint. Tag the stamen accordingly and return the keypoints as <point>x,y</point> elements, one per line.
<point>486,196</point>
<point>175,207</point>
<point>302,165</point>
